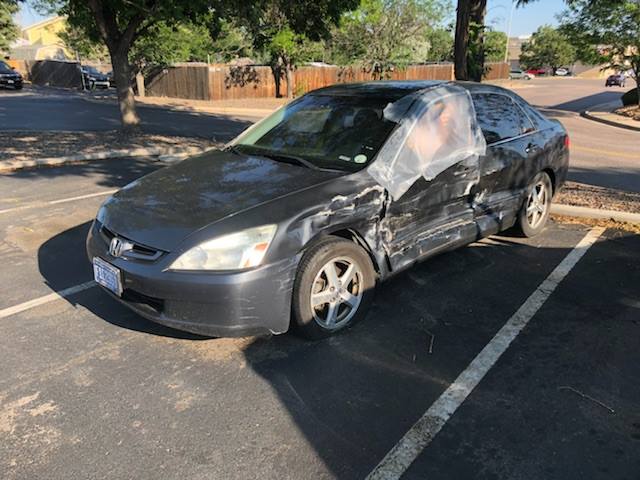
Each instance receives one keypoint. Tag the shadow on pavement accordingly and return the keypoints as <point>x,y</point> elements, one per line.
<point>351,397</point>
<point>584,103</point>
<point>108,173</point>
<point>616,178</point>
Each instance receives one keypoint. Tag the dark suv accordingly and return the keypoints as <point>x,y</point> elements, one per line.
<point>9,78</point>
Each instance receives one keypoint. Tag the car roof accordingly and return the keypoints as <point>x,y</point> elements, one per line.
<point>397,88</point>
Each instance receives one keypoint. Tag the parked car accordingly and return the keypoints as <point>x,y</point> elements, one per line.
<point>562,72</point>
<point>93,78</point>
<point>617,79</point>
<point>111,79</point>
<point>297,219</point>
<point>9,78</point>
<point>537,71</point>
<point>517,74</point>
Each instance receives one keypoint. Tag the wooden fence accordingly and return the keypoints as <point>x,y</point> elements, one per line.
<point>223,82</point>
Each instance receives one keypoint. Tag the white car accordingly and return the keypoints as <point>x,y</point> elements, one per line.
<point>562,72</point>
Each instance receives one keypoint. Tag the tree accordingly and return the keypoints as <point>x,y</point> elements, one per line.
<point>495,43</point>
<point>232,41</point>
<point>608,30</point>
<point>382,35</point>
<point>119,23</point>
<point>76,40</point>
<point>164,44</point>
<point>469,60</point>
<point>440,45</point>
<point>285,29</point>
<point>548,47</point>
<point>8,28</point>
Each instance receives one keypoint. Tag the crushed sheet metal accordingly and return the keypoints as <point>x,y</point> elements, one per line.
<point>402,455</point>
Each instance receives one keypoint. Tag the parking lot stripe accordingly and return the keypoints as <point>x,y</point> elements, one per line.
<point>56,202</point>
<point>36,302</point>
<point>420,435</point>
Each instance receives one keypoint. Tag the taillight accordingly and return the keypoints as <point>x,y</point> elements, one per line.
<point>567,143</point>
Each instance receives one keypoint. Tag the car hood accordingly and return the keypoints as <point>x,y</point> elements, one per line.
<point>163,208</point>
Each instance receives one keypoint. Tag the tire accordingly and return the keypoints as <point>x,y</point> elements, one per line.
<point>534,214</point>
<point>346,303</point>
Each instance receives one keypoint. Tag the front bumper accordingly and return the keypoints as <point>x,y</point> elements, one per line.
<point>11,83</point>
<point>249,302</point>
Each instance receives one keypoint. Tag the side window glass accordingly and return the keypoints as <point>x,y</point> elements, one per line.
<point>499,118</point>
<point>525,122</point>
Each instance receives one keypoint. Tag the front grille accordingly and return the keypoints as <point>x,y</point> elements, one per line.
<point>138,251</point>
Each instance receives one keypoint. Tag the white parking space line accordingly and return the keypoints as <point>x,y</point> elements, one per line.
<point>420,435</point>
<point>36,302</point>
<point>57,202</point>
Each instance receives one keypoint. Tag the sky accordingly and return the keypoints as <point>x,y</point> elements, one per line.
<point>525,19</point>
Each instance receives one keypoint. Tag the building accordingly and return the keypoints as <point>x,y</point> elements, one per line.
<point>514,49</point>
<point>41,41</point>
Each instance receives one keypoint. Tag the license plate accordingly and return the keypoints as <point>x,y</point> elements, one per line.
<point>10,82</point>
<point>107,275</point>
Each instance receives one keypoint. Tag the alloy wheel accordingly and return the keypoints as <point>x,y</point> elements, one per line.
<point>336,292</point>
<point>537,204</point>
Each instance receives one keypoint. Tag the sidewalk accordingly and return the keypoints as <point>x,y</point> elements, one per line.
<point>250,107</point>
<point>603,113</point>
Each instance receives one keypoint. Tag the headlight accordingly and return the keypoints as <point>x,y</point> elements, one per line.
<point>235,251</point>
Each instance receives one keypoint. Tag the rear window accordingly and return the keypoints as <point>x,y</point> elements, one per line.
<point>499,117</point>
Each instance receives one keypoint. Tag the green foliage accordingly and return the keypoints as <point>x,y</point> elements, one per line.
<point>606,31</point>
<point>76,40</point>
<point>495,44</point>
<point>382,35</point>
<point>8,28</point>
<point>164,44</point>
<point>440,45</point>
<point>548,47</point>
<point>232,41</point>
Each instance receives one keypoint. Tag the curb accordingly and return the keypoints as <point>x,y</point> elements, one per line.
<point>164,154</point>
<point>248,112</point>
<point>585,212</point>
<point>590,116</point>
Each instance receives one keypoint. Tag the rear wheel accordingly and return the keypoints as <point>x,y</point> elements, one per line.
<point>535,210</point>
<point>333,288</point>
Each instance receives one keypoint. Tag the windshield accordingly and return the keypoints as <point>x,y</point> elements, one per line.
<point>336,132</point>
<point>4,68</point>
<point>92,70</point>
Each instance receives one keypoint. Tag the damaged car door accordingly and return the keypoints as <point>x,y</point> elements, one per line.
<point>431,216</point>
<point>503,174</point>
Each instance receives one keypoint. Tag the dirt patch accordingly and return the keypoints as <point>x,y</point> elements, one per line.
<point>582,195</point>
<point>599,222</point>
<point>32,145</point>
<point>629,111</point>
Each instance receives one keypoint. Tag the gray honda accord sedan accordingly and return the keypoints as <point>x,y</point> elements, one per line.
<point>295,222</point>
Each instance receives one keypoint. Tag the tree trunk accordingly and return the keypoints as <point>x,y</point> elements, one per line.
<point>289,75</point>
<point>461,45</point>
<point>126,101</point>
<point>478,9</point>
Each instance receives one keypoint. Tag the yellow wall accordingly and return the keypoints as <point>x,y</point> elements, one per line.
<point>46,32</point>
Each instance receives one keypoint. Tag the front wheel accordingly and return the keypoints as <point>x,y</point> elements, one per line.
<point>333,289</point>
<point>535,210</point>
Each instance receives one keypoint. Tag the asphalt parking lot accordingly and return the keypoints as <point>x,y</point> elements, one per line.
<point>90,390</point>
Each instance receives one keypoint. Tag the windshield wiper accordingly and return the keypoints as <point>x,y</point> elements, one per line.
<point>278,156</point>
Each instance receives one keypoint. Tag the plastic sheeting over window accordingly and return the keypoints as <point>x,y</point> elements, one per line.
<point>437,129</point>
